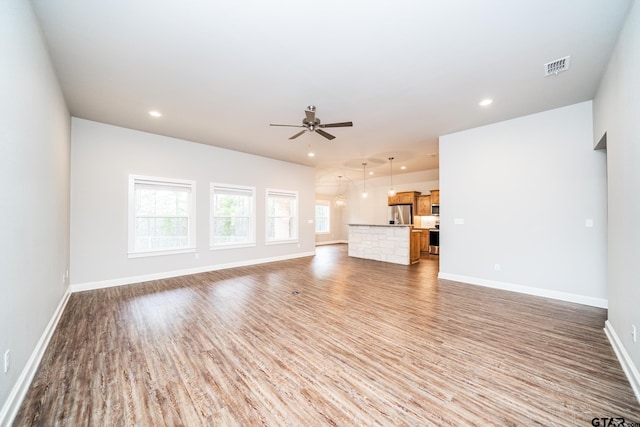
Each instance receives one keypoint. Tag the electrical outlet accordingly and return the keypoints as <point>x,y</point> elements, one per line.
<point>496,267</point>
<point>633,333</point>
<point>6,361</point>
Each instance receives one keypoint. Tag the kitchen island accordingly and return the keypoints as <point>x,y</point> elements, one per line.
<point>398,244</point>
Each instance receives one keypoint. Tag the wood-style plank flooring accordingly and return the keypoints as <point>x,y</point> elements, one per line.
<point>325,340</point>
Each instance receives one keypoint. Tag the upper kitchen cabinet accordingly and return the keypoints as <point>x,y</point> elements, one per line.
<point>435,197</point>
<point>424,205</point>
<point>403,198</point>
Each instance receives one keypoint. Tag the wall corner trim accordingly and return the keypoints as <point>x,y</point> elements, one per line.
<point>529,290</point>
<point>12,405</point>
<point>628,367</point>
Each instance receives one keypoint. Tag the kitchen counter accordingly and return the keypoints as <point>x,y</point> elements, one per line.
<point>383,242</point>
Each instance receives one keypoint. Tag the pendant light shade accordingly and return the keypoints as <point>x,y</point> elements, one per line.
<point>340,200</point>
<point>364,181</point>
<point>392,192</point>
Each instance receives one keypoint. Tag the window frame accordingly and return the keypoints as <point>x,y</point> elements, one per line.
<point>190,247</point>
<point>252,217</point>
<point>269,192</point>
<point>325,204</point>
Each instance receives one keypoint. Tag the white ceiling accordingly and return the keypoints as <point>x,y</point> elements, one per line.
<point>403,71</point>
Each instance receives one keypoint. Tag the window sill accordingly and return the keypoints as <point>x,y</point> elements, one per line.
<point>160,252</point>
<point>281,242</point>
<point>232,246</point>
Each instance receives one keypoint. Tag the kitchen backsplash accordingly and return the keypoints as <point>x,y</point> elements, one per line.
<point>425,221</point>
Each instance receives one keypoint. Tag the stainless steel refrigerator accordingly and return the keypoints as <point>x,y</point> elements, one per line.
<point>401,214</point>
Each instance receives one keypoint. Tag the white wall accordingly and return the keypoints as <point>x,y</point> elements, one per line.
<point>103,156</point>
<point>34,167</point>
<point>374,209</point>
<point>617,112</point>
<point>524,188</point>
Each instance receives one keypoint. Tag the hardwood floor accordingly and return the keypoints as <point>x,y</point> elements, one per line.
<point>325,340</point>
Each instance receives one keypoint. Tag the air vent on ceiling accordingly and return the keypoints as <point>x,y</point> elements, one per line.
<point>554,67</point>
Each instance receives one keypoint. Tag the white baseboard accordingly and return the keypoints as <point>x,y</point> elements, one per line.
<point>529,290</point>
<point>175,273</point>
<point>628,367</point>
<point>12,405</point>
<point>331,242</point>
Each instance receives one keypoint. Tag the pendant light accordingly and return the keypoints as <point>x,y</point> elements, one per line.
<point>340,200</point>
<point>392,192</point>
<point>364,181</point>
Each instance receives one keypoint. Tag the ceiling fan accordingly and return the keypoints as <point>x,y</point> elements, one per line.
<point>312,124</point>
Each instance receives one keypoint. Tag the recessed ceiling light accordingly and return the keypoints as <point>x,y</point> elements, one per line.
<point>403,167</point>
<point>155,113</point>
<point>311,154</point>
<point>485,102</point>
<point>370,172</point>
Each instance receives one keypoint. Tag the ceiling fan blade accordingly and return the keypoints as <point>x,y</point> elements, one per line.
<point>336,125</point>
<point>289,126</point>
<point>298,134</point>
<point>311,115</point>
<point>325,134</point>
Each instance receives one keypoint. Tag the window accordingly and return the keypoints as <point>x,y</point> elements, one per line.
<point>232,216</point>
<point>322,217</point>
<point>161,216</point>
<point>282,216</point>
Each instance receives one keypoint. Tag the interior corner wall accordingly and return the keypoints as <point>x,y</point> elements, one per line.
<point>515,198</point>
<point>103,156</point>
<point>34,166</point>
<point>617,112</point>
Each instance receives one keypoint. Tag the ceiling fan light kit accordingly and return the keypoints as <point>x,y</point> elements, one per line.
<point>312,124</point>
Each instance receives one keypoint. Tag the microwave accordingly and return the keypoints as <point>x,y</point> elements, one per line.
<point>435,209</point>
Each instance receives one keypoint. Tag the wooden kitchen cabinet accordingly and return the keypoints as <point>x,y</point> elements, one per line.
<point>424,206</point>
<point>424,241</point>
<point>435,197</point>
<point>406,198</point>
<point>415,243</point>
<point>403,198</point>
